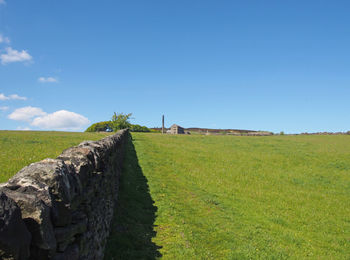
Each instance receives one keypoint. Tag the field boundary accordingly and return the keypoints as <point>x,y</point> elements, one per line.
<point>62,208</point>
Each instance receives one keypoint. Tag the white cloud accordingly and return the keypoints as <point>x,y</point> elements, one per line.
<point>4,108</point>
<point>2,2</point>
<point>21,128</point>
<point>16,97</point>
<point>4,39</point>
<point>26,114</point>
<point>47,80</point>
<point>12,55</point>
<point>61,120</point>
<point>3,97</point>
<point>13,97</point>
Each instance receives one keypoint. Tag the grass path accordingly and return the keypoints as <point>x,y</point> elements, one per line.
<point>223,197</point>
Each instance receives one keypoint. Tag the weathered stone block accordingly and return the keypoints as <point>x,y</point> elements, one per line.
<point>65,233</point>
<point>36,216</point>
<point>14,235</point>
<point>43,191</point>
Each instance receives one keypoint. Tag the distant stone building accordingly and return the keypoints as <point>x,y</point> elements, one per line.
<point>176,129</point>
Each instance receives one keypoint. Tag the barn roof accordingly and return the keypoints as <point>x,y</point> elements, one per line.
<point>175,125</point>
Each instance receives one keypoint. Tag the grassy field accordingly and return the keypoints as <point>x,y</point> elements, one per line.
<point>20,148</point>
<point>217,197</point>
<point>225,197</point>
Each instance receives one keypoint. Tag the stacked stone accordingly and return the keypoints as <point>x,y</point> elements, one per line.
<point>62,208</point>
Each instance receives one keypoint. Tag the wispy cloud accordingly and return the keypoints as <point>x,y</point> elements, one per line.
<point>48,80</point>
<point>11,97</point>
<point>12,55</point>
<point>4,39</point>
<point>4,108</point>
<point>16,97</point>
<point>21,128</point>
<point>2,2</point>
<point>3,97</point>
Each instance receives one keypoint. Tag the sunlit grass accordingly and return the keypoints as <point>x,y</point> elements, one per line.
<point>20,148</point>
<point>225,197</point>
<point>219,197</point>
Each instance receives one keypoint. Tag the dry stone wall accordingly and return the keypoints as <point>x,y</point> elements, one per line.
<point>62,208</point>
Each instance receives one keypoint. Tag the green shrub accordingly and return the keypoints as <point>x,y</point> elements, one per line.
<point>139,128</point>
<point>119,121</point>
<point>105,126</point>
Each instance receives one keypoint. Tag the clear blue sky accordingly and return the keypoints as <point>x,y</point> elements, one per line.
<point>260,65</point>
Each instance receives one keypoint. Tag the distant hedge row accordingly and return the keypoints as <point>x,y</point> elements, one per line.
<point>107,126</point>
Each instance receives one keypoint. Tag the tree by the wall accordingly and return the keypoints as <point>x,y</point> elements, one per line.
<point>120,121</point>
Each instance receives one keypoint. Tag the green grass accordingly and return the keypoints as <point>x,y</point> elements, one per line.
<point>226,197</point>
<point>217,197</point>
<point>20,148</point>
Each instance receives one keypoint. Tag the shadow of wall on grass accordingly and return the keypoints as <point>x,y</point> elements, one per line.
<point>133,224</point>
